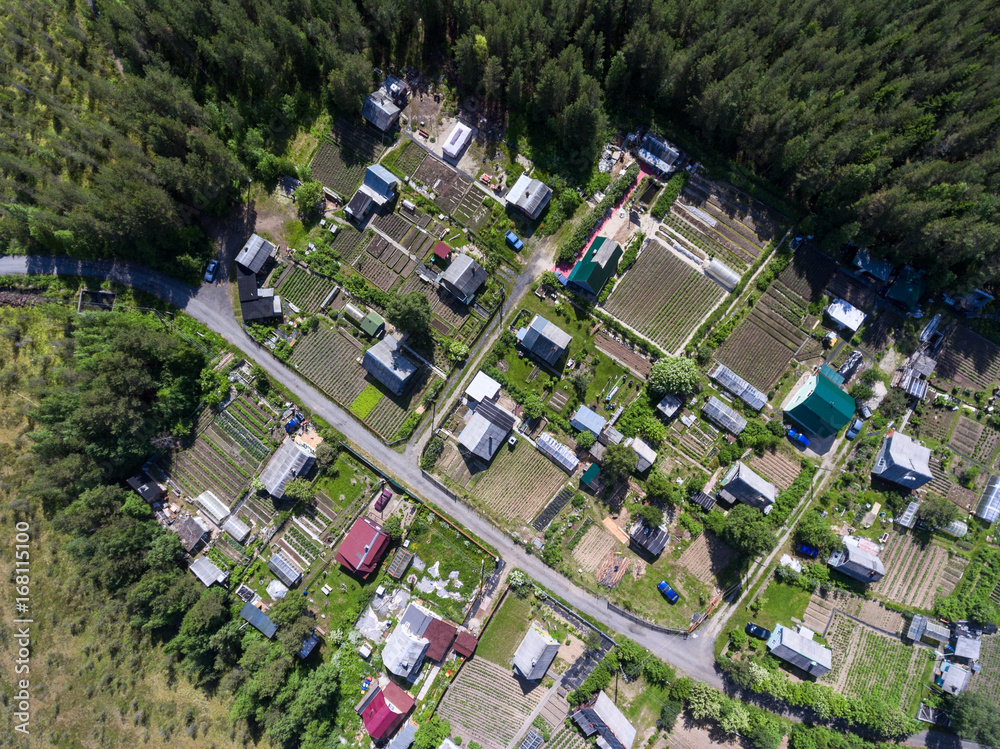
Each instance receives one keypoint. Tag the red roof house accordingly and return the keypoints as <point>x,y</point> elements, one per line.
<point>442,251</point>
<point>465,644</point>
<point>441,635</point>
<point>363,547</point>
<point>386,711</point>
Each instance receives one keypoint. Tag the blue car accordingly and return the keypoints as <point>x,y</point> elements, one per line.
<point>669,593</point>
<point>798,438</point>
<point>514,241</point>
<point>809,551</point>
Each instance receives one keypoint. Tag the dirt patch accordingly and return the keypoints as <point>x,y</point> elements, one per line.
<point>272,217</point>
<point>593,548</point>
<point>707,557</point>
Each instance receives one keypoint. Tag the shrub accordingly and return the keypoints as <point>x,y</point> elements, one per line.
<point>669,195</point>
<point>578,239</point>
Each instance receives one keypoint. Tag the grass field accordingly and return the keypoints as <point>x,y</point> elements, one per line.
<point>778,604</point>
<point>505,630</point>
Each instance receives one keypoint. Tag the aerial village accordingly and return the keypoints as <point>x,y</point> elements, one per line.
<point>724,432</point>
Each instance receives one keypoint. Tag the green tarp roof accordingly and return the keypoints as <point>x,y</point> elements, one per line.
<point>820,407</point>
<point>908,287</point>
<point>591,473</point>
<point>598,264</point>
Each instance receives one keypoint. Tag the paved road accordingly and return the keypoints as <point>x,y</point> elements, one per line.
<point>211,306</point>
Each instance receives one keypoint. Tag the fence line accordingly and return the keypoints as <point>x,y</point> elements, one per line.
<point>647,624</point>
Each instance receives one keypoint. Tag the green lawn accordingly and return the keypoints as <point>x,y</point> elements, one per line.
<point>505,631</point>
<point>780,603</point>
<point>337,481</point>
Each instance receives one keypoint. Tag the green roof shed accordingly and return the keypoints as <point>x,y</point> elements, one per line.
<point>908,287</point>
<point>591,474</point>
<point>820,407</point>
<point>373,324</point>
<point>597,265</point>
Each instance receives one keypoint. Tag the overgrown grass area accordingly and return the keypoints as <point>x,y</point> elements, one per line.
<point>367,400</point>
<point>505,630</point>
<point>345,478</point>
<point>775,604</point>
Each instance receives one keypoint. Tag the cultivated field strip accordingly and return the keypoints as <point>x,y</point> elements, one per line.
<point>914,571</point>
<point>987,682</point>
<point>444,306</point>
<point>776,467</point>
<point>304,290</point>
<point>410,157</point>
<point>486,704</point>
<point>594,547</point>
<point>809,272</point>
<point>328,359</point>
<point>379,274</point>
<point>852,291</point>
<point>969,360</point>
<point>706,557</point>
<point>338,169</point>
<point>519,483</point>
<point>663,297</point>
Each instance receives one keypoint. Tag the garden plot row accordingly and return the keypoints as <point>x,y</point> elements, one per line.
<point>808,273</point>
<point>203,467</point>
<point>393,225</point>
<point>338,169</point>
<point>246,448</point>
<point>765,220</point>
<point>418,243</point>
<point>319,515</point>
<point>348,243</point>
<point>878,330</point>
<point>252,414</point>
<point>358,139</point>
<point>567,737</point>
<point>304,290</point>
<point>696,440</point>
<point>444,306</point>
<point>706,557</point>
<point>257,511</point>
<point>852,291</point>
<point>472,211</point>
<point>721,231</point>
<point>482,684</point>
<point>936,423</point>
<point>518,482</point>
<point>622,354</point>
<point>593,549</point>
<point>329,359</point>
<point>867,663</point>
<point>673,229</point>
<point>552,509</point>
<point>752,231</point>
<point>379,274</point>
<point>410,157</point>
<point>966,436</point>
<point>987,681</point>
<point>761,347</point>
<point>289,551</point>
<point>389,414</point>
<point>914,571</point>
<point>778,467</point>
<point>663,297</point>
<point>969,360</point>
<point>449,185</point>
<point>304,546</point>
<point>821,605</point>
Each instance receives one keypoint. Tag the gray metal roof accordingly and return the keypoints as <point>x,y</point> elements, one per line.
<point>529,195</point>
<point>855,562</point>
<point>557,452</point>
<point>258,620</point>
<point>190,533</point>
<point>739,387</point>
<point>614,720</point>
<point>903,462</point>
<point>206,571</point>
<point>289,461</point>
<point>404,652</point>
<point>404,739</point>
<point>215,508</point>
<point>722,273</point>
<point>482,437</point>
<point>800,651</point>
<point>236,528</point>
<point>953,677</point>
<point>483,387</point>
<point>748,486</point>
<point>586,419</point>
<point>723,416</point>
<point>644,454</point>
<point>535,653</point>
<point>988,508</point>
<point>255,253</point>
<point>916,629</point>
<point>669,405</point>
<point>286,571</point>
<point>967,647</point>
<point>381,181</point>
<point>386,363</point>
<point>380,110</point>
<point>464,276</point>
<point>544,339</point>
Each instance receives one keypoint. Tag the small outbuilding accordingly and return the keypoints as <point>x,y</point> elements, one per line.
<point>237,529</point>
<point>482,388</point>
<point>668,406</point>
<point>363,547</point>
<point>191,533</point>
<point>603,718</point>
<point>207,572</point>
<point>535,653</point>
<point>291,460</point>
<point>530,196</point>
<point>464,277</point>
<point>659,154</point>
<point>988,508</point>
<point>557,452</point>
<point>544,340</point>
<point>908,287</point>
<point>856,558</point>
<point>723,416</point>
<point>845,315</point>
<point>258,620</point>
<point>741,484</point>
<point>457,140</point>
<point>645,455</point>
<point>380,110</point>
<point>598,264</point>
<point>385,362</point>
<point>820,407</point>
<point>649,541</point>
<point>587,420</point>
<point>213,507</point>
<point>286,570</point>
<point>255,254</point>
<point>486,430</point>
<point>799,649</point>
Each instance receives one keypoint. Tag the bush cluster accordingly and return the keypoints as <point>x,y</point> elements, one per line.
<point>617,191</point>
<point>669,195</point>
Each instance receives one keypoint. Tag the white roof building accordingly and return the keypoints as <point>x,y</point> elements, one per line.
<point>290,461</point>
<point>236,528</point>
<point>799,649</point>
<point>613,729</point>
<point>206,571</point>
<point>212,506</point>
<point>457,140</point>
<point>645,455</point>
<point>404,651</point>
<point>530,196</point>
<point>845,315</point>
<point>482,388</point>
<point>535,653</point>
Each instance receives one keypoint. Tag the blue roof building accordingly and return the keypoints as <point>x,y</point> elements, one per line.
<point>258,620</point>
<point>586,420</point>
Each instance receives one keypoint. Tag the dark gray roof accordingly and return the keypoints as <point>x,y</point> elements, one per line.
<point>535,653</point>
<point>360,205</point>
<point>544,339</point>
<point>669,405</point>
<point>464,276</point>
<point>481,437</point>
<point>650,540</point>
<point>190,533</point>
<point>258,620</point>
<point>380,110</point>
<point>246,283</point>
<point>386,363</point>
<point>255,253</point>
<point>856,562</point>
<point>529,195</point>
<point>748,487</point>
<point>800,651</point>
<point>263,308</point>
<point>705,501</point>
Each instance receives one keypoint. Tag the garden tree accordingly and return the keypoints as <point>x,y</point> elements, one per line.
<point>748,531</point>
<point>675,375</point>
<point>196,643</point>
<point>299,490</point>
<point>660,488</point>
<point>704,701</point>
<point>650,514</point>
<point>532,406</point>
<point>393,527</point>
<point>307,196</point>
<point>432,733</point>
<point>938,512</point>
<point>580,382</point>
<point>519,581</point>
<point>136,507</point>
<point>670,711</point>
<point>161,598</point>
<point>348,83</point>
<point>287,610</point>
<point>619,462</point>
<point>984,611</point>
<point>410,313</point>
<point>585,440</point>
<point>326,455</point>
<point>734,718</point>
<point>457,351</point>
<point>766,730</point>
<point>814,531</point>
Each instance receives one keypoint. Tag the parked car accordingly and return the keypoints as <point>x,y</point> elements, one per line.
<point>213,265</point>
<point>809,551</point>
<point>669,593</point>
<point>514,241</point>
<point>755,630</point>
<point>855,429</point>
<point>798,438</point>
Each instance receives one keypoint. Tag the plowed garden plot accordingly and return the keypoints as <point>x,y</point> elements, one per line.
<point>779,468</point>
<point>759,217</point>
<point>304,290</point>
<point>696,440</point>
<point>966,436</point>
<point>987,681</point>
<point>916,573</point>
<point>444,306</point>
<point>762,346</point>
<point>358,139</point>
<point>349,243</point>
<point>472,211</point>
<point>969,360</point>
<point>878,332</point>
<point>709,224</point>
<point>663,297</point>
<point>518,483</point>
<point>622,354</point>
<point>328,359</point>
<point>449,185</point>
<point>592,550</point>
<point>866,663</point>
<point>852,291</point>
<point>986,448</point>
<point>376,272</point>
<point>394,225</point>
<point>338,169</point>
<point>487,704</point>
<point>936,423</point>
<point>409,158</point>
<point>707,557</point>
<point>809,272</point>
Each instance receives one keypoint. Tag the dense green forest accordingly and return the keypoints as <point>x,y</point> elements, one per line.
<point>879,118</point>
